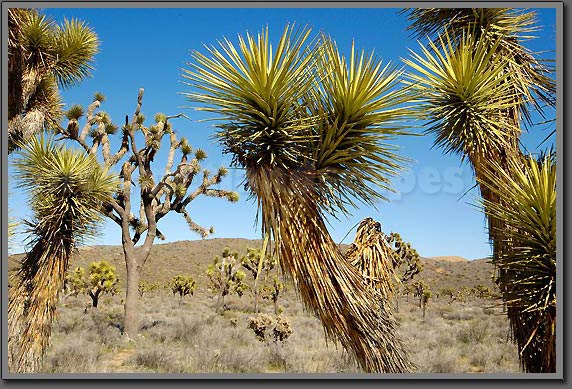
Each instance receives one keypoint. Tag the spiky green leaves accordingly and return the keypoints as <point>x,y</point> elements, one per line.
<point>63,184</point>
<point>257,90</point>
<point>307,108</point>
<point>528,209</point>
<point>527,265</point>
<point>68,49</point>
<point>75,46</point>
<point>528,74</point>
<point>462,90</point>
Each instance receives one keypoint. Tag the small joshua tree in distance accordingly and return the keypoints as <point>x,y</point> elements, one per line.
<point>273,291</point>
<point>226,277</point>
<point>102,280</point>
<point>183,285</point>
<point>255,262</point>
<point>145,287</point>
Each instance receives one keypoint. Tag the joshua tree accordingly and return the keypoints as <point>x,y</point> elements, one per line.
<point>311,129</point>
<point>101,280</point>
<point>145,287</point>
<point>424,300</point>
<point>420,287</point>
<point>528,208</point>
<point>157,196</point>
<point>42,57</point>
<point>226,277</point>
<point>183,285</point>
<point>477,84</point>
<point>272,292</point>
<point>448,292</point>
<point>255,262</point>
<point>67,190</point>
<point>405,256</point>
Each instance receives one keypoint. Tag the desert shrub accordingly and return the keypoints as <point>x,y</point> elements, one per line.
<point>72,355</point>
<point>260,324</point>
<point>266,328</point>
<point>475,331</point>
<point>154,359</point>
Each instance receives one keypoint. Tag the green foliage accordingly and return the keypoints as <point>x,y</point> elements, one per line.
<point>303,105</point>
<point>75,112</point>
<point>251,261</point>
<point>43,56</point>
<point>76,282</point>
<point>527,265</point>
<point>101,280</point>
<point>405,256</point>
<point>98,96</point>
<point>183,285</point>
<point>145,287</point>
<point>225,275</point>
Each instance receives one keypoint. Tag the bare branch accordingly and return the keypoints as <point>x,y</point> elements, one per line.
<point>194,226</point>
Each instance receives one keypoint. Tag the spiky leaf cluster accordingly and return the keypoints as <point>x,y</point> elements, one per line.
<point>101,279</point>
<point>225,274</point>
<point>43,56</point>
<point>252,261</point>
<point>527,269</point>
<point>183,285</point>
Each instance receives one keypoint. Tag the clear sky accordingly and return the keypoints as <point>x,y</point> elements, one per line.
<point>148,47</point>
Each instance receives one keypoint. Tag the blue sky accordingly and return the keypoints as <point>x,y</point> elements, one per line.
<point>148,47</point>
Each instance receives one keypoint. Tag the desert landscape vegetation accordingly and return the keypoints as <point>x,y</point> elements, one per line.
<point>459,334</point>
<point>312,130</point>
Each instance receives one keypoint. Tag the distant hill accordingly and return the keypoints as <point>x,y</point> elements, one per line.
<point>193,257</point>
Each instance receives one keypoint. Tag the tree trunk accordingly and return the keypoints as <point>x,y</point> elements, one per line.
<point>132,295</point>
<point>94,299</point>
<point>258,271</point>
<point>424,306</point>
<point>276,306</point>
<point>256,307</point>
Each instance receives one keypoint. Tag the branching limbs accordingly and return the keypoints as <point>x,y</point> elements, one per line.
<point>171,193</point>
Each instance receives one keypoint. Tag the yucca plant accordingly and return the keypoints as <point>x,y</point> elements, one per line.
<point>311,128</point>
<point>528,210</point>
<point>67,190</point>
<point>479,84</point>
<point>371,253</point>
<point>526,82</point>
<point>42,57</point>
<point>528,74</point>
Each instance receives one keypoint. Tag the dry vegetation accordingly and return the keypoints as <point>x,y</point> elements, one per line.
<point>191,338</point>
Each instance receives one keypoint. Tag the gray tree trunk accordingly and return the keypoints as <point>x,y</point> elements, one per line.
<point>132,315</point>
